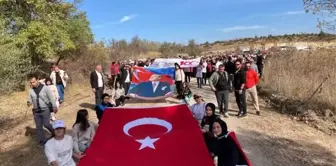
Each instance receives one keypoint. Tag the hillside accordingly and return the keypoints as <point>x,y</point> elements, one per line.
<point>300,41</point>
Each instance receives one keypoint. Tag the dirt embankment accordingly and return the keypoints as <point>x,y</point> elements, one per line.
<point>312,114</point>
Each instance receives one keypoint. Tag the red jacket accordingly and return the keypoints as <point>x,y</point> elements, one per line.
<point>115,69</point>
<point>251,78</point>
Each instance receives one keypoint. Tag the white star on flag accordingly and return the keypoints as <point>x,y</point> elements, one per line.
<point>147,142</point>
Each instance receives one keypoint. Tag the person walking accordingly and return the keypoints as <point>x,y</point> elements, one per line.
<point>251,85</point>
<point>43,101</point>
<point>179,78</point>
<point>59,78</point>
<point>221,84</point>
<point>199,75</point>
<point>53,88</point>
<point>204,71</point>
<point>97,83</point>
<point>240,89</point>
<point>126,78</point>
<point>260,64</point>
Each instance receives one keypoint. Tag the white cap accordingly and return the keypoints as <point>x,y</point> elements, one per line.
<point>58,124</point>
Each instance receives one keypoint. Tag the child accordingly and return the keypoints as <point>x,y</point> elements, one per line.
<point>119,94</point>
<point>199,75</point>
<point>187,94</point>
<point>53,88</point>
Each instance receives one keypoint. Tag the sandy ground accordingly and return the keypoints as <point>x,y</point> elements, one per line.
<point>269,140</point>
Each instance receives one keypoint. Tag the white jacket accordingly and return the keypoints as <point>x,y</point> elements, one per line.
<point>63,75</point>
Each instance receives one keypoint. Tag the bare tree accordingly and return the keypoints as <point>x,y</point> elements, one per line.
<point>325,8</point>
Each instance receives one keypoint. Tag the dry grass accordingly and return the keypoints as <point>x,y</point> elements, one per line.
<point>13,107</point>
<point>16,148</point>
<point>298,74</point>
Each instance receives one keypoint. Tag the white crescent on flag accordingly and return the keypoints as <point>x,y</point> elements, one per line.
<point>147,142</point>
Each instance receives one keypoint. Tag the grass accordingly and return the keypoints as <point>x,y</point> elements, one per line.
<point>298,74</point>
<point>16,148</point>
<point>14,106</point>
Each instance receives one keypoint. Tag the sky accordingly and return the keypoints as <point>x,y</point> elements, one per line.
<point>202,20</point>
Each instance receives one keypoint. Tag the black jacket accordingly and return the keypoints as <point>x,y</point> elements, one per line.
<point>230,67</point>
<point>123,76</point>
<point>239,79</point>
<point>94,79</point>
<point>227,152</point>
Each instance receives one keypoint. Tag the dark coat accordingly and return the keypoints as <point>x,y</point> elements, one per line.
<point>239,79</point>
<point>94,79</point>
<point>123,75</point>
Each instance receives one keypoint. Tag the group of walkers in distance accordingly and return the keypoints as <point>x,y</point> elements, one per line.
<point>223,73</point>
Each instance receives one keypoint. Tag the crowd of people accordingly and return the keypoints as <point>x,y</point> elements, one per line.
<point>224,74</point>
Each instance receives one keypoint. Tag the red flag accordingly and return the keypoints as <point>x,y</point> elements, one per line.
<point>160,136</point>
<point>242,153</point>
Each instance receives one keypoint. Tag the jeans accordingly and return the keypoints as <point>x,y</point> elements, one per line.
<point>260,69</point>
<point>241,101</point>
<point>187,76</point>
<point>99,92</point>
<point>179,88</point>
<point>119,101</point>
<point>223,100</point>
<point>60,90</point>
<point>199,82</point>
<point>42,119</point>
<point>126,87</point>
<point>204,78</point>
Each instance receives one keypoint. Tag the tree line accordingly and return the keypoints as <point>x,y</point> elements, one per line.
<point>33,32</point>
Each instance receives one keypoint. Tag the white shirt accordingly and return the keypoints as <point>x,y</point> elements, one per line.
<point>204,67</point>
<point>179,75</point>
<point>127,80</point>
<point>199,73</point>
<point>156,85</point>
<point>100,79</point>
<point>198,110</point>
<point>60,151</point>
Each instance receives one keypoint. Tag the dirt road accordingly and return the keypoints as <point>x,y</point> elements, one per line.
<point>270,140</point>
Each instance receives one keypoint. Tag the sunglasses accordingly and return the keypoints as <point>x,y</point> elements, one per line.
<point>197,97</point>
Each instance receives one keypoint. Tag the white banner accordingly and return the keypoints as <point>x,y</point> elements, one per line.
<point>162,62</point>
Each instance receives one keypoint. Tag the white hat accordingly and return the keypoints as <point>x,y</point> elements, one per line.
<point>58,124</point>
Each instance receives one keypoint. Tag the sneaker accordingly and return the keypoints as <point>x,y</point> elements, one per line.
<point>52,117</point>
<point>258,113</point>
<point>243,116</point>
<point>226,115</point>
<point>239,114</point>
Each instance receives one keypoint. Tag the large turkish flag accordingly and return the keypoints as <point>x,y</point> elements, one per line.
<point>159,136</point>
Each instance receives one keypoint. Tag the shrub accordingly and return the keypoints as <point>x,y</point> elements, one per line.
<point>14,68</point>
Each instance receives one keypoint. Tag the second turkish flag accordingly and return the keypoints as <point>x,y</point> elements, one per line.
<point>159,136</point>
